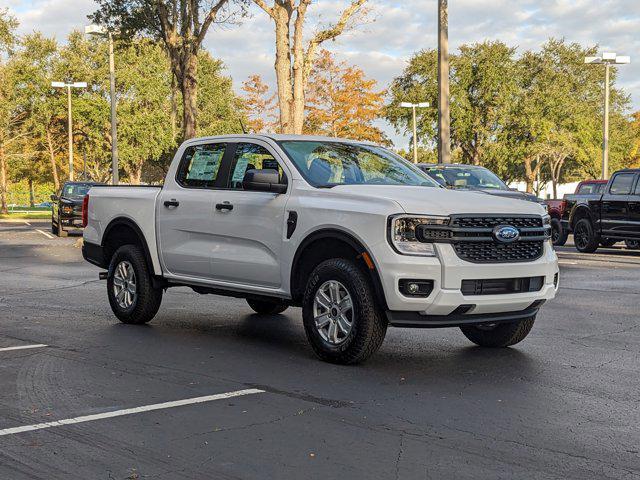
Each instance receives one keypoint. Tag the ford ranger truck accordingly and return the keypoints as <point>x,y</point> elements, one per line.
<point>355,235</point>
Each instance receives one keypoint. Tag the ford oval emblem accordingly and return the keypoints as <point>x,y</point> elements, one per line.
<point>506,233</point>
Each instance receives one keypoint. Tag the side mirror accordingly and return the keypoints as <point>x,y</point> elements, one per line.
<point>54,197</point>
<point>263,181</point>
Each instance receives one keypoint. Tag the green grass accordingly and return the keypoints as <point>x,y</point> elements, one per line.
<point>27,214</point>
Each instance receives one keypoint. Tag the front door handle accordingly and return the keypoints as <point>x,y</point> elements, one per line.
<point>171,203</point>
<point>224,206</point>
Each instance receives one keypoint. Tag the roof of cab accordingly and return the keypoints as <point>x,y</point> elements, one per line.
<point>280,138</point>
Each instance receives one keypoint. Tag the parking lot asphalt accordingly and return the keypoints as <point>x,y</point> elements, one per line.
<point>562,404</point>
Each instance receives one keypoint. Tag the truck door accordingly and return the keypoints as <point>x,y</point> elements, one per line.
<point>615,217</point>
<point>249,225</point>
<point>185,211</point>
<point>634,211</point>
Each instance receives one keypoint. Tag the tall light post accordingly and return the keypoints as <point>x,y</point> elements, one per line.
<point>101,31</point>
<point>413,106</point>
<point>69,86</point>
<point>607,59</point>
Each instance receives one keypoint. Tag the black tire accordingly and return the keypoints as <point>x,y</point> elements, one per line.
<point>148,299</point>
<point>608,242</point>
<point>61,231</point>
<point>584,236</point>
<point>54,226</point>
<point>499,335</point>
<point>265,307</point>
<point>632,244</point>
<point>368,322</point>
<point>559,234</point>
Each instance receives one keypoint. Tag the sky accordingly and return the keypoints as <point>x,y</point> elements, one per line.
<point>383,42</point>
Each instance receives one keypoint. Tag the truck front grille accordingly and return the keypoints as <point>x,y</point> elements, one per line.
<point>472,237</point>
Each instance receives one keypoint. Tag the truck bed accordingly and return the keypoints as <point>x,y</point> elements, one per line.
<point>136,203</point>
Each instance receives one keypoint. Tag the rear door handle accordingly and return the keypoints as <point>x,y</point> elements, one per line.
<point>224,206</point>
<point>171,203</point>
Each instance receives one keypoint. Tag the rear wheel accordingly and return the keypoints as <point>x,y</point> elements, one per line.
<point>558,233</point>
<point>341,316</point>
<point>265,307</point>
<point>632,244</point>
<point>499,335</point>
<point>585,237</point>
<point>131,294</point>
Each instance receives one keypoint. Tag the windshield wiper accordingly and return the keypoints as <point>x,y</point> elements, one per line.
<point>326,185</point>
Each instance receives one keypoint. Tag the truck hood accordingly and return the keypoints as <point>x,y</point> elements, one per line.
<point>442,201</point>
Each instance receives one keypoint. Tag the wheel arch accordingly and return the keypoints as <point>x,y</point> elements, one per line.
<point>122,231</point>
<point>327,243</point>
<point>580,212</point>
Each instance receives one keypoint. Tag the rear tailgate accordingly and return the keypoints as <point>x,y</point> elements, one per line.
<point>136,204</point>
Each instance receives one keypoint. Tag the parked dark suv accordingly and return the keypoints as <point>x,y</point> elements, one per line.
<point>66,210</point>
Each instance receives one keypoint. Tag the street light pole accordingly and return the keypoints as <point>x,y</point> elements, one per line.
<point>413,106</point>
<point>101,31</point>
<point>607,59</point>
<point>69,86</point>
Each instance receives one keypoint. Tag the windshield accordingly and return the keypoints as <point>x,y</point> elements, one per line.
<point>326,164</point>
<point>474,177</point>
<point>76,190</point>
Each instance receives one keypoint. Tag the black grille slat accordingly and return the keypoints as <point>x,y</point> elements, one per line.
<point>492,252</point>
<point>492,222</point>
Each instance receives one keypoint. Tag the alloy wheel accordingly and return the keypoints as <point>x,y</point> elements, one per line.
<point>124,285</point>
<point>333,312</point>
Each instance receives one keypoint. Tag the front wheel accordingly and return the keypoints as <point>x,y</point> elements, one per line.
<point>342,319</point>
<point>632,244</point>
<point>131,294</point>
<point>54,226</point>
<point>499,335</point>
<point>559,234</point>
<point>266,307</point>
<point>584,236</point>
<point>61,232</point>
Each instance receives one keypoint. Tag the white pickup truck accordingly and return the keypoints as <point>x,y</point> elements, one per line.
<point>349,231</point>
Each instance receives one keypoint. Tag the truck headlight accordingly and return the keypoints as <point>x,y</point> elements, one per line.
<point>402,234</point>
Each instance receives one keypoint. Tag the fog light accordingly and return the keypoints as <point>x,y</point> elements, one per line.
<point>415,288</point>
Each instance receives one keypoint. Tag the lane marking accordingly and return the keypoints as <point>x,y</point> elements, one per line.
<point>129,411</point>
<point>44,233</point>
<point>27,223</point>
<point>23,347</point>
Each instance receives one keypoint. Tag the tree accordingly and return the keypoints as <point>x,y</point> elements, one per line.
<point>295,56</point>
<point>342,102</point>
<point>11,115</point>
<point>259,105</point>
<point>182,26</point>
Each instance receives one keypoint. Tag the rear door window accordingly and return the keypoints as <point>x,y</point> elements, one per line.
<point>622,184</point>
<point>200,166</point>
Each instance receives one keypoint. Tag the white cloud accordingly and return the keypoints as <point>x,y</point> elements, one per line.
<point>382,46</point>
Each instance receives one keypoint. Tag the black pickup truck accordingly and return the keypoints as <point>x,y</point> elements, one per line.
<point>66,210</point>
<point>602,219</point>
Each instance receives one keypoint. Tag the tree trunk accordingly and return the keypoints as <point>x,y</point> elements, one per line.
<point>189,85</point>
<point>529,174</point>
<point>283,68</point>
<point>52,159</point>
<point>135,176</point>
<point>3,183</point>
<point>32,199</point>
<point>174,107</point>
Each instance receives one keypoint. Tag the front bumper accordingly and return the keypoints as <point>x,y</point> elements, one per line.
<point>447,271</point>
